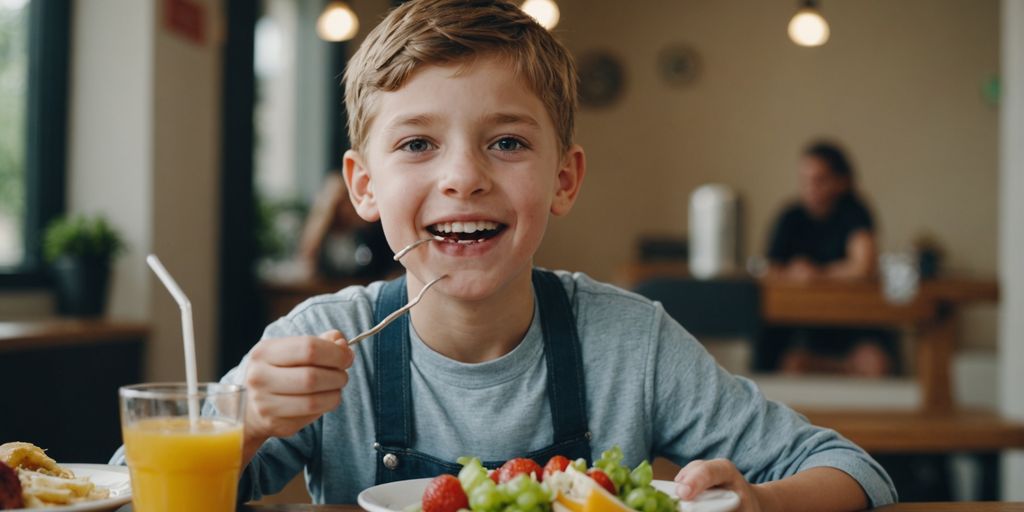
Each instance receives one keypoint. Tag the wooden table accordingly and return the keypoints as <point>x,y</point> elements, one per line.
<point>933,314</point>
<point>903,507</point>
<point>65,332</point>
<point>960,430</point>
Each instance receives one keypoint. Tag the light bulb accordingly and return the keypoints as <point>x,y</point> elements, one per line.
<point>544,11</point>
<point>808,28</point>
<point>337,23</point>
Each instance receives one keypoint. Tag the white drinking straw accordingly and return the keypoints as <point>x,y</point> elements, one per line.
<point>187,332</point>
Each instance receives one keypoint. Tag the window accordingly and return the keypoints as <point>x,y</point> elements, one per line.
<point>14,24</point>
<point>33,111</point>
<point>295,116</point>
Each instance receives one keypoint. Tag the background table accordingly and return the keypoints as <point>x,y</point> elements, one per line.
<point>933,314</point>
<point>59,380</point>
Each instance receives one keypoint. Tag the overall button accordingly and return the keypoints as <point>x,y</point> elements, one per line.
<point>390,461</point>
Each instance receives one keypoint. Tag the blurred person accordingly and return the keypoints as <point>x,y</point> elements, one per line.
<point>828,234</point>
<point>337,243</point>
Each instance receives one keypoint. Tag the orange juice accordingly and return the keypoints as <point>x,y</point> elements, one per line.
<point>176,468</point>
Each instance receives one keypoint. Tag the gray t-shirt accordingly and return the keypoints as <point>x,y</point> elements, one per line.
<point>651,389</point>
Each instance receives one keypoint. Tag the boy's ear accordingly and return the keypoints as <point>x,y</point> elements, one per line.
<point>569,180</point>
<point>360,186</point>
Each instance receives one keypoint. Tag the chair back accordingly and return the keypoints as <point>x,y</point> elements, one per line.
<point>717,308</point>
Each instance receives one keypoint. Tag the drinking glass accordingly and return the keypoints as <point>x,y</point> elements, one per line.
<point>900,276</point>
<point>178,463</point>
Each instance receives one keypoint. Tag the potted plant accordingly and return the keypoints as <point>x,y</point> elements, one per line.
<point>80,251</point>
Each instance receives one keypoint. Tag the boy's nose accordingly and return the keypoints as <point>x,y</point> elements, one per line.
<point>466,174</point>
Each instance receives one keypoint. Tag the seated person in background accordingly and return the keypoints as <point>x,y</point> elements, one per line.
<point>827,235</point>
<point>337,243</point>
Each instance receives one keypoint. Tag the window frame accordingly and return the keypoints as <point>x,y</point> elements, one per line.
<point>46,115</point>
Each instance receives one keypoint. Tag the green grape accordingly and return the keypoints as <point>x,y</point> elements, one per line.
<point>642,475</point>
<point>636,498</point>
<point>651,505</point>
<point>666,503</point>
<point>619,476</point>
<point>524,494</point>
<point>472,470</point>
<point>580,465</point>
<point>614,455</point>
<point>517,485</point>
<point>485,497</point>
<point>527,500</point>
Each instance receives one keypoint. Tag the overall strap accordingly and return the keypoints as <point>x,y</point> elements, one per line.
<point>566,388</point>
<point>391,357</point>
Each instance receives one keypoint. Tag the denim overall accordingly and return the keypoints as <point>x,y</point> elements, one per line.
<point>397,460</point>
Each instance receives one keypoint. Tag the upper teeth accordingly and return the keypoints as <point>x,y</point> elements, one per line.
<point>465,227</point>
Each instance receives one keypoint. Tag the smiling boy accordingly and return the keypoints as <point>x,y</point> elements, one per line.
<point>461,120</point>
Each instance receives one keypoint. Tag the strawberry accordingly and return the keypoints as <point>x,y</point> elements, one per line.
<point>516,467</point>
<point>602,479</point>
<point>556,464</point>
<point>444,494</point>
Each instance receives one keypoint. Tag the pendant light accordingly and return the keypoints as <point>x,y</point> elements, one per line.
<point>544,11</point>
<point>808,27</point>
<point>337,23</point>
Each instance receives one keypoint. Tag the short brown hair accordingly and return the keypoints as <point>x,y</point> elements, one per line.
<point>445,31</point>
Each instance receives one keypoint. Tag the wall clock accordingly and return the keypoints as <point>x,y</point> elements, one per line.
<point>678,65</point>
<point>601,79</point>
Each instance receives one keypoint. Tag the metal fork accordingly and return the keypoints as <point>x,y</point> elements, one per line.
<point>404,309</point>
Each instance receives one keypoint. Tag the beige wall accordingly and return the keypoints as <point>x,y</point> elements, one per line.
<point>144,142</point>
<point>110,134</point>
<point>186,191</point>
<point>899,84</point>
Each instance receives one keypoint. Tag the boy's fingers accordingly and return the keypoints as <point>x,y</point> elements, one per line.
<point>303,351</point>
<point>292,406</point>
<point>297,380</point>
<point>335,336</point>
<point>332,336</point>
<point>699,476</point>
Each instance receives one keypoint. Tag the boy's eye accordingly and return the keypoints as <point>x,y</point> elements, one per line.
<point>417,145</point>
<point>509,144</point>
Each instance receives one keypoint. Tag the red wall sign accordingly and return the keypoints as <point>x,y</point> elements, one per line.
<point>186,18</point>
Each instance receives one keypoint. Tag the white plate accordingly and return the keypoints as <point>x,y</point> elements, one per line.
<point>396,496</point>
<point>115,478</point>
<point>714,500</point>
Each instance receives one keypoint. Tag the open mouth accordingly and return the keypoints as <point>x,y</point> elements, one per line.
<point>465,233</point>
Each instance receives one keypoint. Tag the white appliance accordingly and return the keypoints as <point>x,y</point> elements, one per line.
<point>714,231</point>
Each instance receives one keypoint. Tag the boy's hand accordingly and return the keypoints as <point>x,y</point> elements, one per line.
<point>701,475</point>
<point>291,382</point>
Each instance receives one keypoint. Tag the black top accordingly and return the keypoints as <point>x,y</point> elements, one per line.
<point>822,241</point>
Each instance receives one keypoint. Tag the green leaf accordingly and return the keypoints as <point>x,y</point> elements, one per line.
<point>82,237</point>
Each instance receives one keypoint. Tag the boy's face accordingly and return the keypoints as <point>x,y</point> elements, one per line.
<point>466,153</point>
